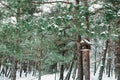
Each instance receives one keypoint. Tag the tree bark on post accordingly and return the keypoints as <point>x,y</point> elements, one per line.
<point>117,59</point>
<point>86,61</point>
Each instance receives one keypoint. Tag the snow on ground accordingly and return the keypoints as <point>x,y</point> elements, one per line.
<point>53,76</point>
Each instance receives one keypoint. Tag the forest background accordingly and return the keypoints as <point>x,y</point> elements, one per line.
<point>42,36</point>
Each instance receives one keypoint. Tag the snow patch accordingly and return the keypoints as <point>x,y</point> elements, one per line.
<point>95,7</point>
<point>118,13</point>
<point>3,4</point>
<point>11,19</point>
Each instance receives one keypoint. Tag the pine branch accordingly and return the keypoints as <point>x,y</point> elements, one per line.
<point>7,6</point>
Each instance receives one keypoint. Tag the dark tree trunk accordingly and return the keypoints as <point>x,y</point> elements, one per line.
<point>117,59</point>
<point>9,71</point>
<point>0,64</point>
<point>2,71</point>
<point>79,59</point>
<point>39,70</point>
<point>95,65</point>
<point>61,72</point>
<point>14,69</point>
<point>79,53</point>
<point>103,62</point>
<point>39,63</point>
<point>109,61</point>
<point>62,67</point>
<point>6,70</point>
<point>70,70</point>
<point>21,71</point>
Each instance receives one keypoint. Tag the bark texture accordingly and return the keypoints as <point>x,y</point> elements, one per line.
<point>79,59</point>
<point>117,59</point>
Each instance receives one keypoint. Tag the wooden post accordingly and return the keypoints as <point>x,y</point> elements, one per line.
<point>86,63</point>
<point>86,59</point>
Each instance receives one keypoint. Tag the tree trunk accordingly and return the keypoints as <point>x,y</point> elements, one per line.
<point>62,67</point>
<point>86,61</point>
<point>109,61</point>
<point>95,65</point>
<point>70,70</point>
<point>14,69</point>
<point>61,72</point>
<point>74,71</point>
<point>39,56</point>
<point>86,49</point>
<point>117,59</point>
<point>86,64</point>
<point>79,59</point>
<point>21,71</point>
<point>79,53</point>
<point>103,61</point>
<point>39,70</point>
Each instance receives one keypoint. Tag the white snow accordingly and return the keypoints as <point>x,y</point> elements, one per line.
<point>118,13</point>
<point>104,32</point>
<point>53,76</point>
<point>95,7</point>
<point>11,19</point>
<point>3,4</point>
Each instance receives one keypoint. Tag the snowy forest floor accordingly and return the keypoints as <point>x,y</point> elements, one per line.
<point>53,76</point>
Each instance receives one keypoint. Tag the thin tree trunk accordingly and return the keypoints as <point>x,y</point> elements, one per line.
<point>21,71</point>
<point>95,65</point>
<point>39,64</point>
<point>9,71</point>
<point>61,72</point>
<point>109,61</point>
<point>2,71</point>
<point>55,71</point>
<point>39,70</point>
<point>79,59</point>
<point>62,68</point>
<point>103,61</point>
<point>14,69</point>
<point>63,54</point>
<point>74,71</point>
<point>70,70</point>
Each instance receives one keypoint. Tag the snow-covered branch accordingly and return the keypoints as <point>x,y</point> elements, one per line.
<point>36,2</point>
